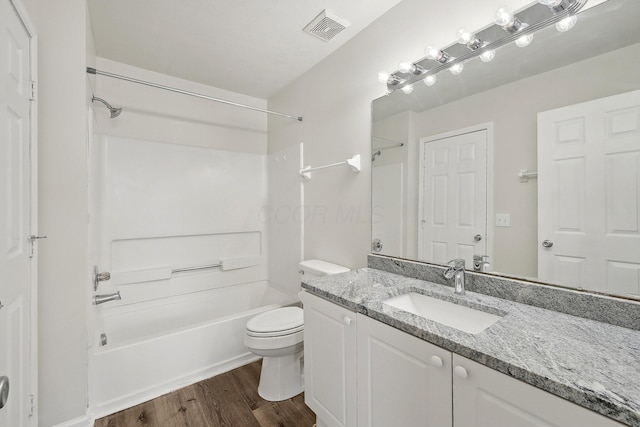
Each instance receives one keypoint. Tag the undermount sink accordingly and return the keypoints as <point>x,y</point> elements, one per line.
<point>450,314</point>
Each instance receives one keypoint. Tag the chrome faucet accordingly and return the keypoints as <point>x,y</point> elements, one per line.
<point>456,268</point>
<point>101,299</point>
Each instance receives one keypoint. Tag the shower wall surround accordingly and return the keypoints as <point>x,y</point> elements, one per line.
<point>615,311</point>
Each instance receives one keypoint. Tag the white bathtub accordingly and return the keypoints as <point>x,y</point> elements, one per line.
<point>159,346</point>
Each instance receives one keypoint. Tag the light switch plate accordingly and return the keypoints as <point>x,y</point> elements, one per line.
<point>503,220</point>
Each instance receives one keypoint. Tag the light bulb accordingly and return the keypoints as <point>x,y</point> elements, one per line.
<point>432,53</point>
<point>550,3</point>
<point>504,17</point>
<point>430,80</point>
<point>406,67</point>
<point>567,23</point>
<point>407,89</point>
<point>436,54</point>
<point>488,55</point>
<point>456,68</point>
<point>383,77</point>
<point>525,40</point>
<point>464,36</point>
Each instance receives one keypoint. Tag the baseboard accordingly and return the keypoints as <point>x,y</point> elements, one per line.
<point>164,388</point>
<point>83,421</point>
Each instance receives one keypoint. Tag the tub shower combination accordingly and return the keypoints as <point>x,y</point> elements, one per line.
<point>178,230</point>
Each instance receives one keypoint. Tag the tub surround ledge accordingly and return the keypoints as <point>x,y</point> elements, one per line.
<point>590,363</point>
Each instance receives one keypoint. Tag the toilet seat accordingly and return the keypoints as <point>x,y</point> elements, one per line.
<point>276,323</point>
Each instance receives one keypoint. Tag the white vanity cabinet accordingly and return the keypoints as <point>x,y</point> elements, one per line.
<point>374,375</point>
<point>330,362</point>
<point>484,397</point>
<point>402,380</point>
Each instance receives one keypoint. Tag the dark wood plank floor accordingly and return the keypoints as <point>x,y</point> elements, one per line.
<point>227,400</point>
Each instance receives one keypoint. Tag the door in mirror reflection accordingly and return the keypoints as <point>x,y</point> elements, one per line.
<point>453,192</point>
<point>589,195</point>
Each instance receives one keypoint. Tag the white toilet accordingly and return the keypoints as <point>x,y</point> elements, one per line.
<point>277,336</point>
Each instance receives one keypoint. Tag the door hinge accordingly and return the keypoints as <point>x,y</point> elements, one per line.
<point>34,90</point>
<point>32,405</point>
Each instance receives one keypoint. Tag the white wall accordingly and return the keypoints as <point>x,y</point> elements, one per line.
<point>335,99</point>
<point>63,54</point>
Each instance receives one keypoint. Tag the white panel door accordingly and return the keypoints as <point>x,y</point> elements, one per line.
<point>589,194</point>
<point>387,213</point>
<point>483,397</point>
<point>15,248</point>
<point>330,362</point>
<point>402,380</point>
<point>453,215</point>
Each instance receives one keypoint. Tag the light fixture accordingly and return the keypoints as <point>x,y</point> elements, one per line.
<point>525,40</point>
<point>456,69</point>
<point>469,39</point>
<point>507,20</point>
<point>430,80</point>
<point>567,23</point>
<point>407,89</point>
<point>436,54</point>
<point>508,28</point>
<point>488,55</point>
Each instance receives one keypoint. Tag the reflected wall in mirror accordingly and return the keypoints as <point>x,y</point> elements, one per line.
<point>566,108</point>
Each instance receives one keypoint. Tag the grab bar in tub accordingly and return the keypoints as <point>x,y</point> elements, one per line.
<point>165,273</point>
<point>201,267</point>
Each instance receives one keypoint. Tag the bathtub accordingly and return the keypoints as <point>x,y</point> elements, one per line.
<point>159,346</point>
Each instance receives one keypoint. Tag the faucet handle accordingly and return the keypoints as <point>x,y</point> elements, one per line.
<point>456,263</point>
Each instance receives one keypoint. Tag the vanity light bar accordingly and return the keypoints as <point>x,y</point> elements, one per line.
<point>527,21</point>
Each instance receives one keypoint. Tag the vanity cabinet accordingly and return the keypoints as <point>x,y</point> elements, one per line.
<point>484,397</point>
<point>402,380</point>
<point>364,373</point>
<point>330,362</point>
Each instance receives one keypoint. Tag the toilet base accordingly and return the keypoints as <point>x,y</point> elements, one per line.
<point>281,377</point>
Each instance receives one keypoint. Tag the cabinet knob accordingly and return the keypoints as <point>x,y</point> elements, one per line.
<point>436,361</point>
<point>347,320</point>
<point>461,372</point>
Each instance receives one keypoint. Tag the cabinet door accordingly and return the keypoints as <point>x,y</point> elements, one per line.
<point>402,380</point>
<point>330,361</point>
<point>483,397</point>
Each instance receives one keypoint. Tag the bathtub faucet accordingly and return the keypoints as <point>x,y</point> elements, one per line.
<point>101,299</point>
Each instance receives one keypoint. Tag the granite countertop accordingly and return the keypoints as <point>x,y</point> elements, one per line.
<point>593,364</point>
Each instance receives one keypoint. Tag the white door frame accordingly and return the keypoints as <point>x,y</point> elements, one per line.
<point>488,127</point>
<point>30,28</point>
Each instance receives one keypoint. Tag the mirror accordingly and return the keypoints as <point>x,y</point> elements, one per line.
<point>531,160</point>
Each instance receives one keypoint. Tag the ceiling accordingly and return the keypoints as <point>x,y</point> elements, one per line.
<point>254,47</point>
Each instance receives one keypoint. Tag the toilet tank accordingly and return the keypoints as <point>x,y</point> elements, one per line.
<point>314,268</point>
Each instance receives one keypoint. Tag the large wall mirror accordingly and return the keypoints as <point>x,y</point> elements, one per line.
<point>530,163</point>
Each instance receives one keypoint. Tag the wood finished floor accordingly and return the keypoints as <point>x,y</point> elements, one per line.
<point>227,400</point>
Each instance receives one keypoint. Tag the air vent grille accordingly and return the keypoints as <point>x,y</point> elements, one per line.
<point>326,26</point>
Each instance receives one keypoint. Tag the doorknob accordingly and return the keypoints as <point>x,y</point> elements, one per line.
<point>4,391</point>
<point>477,237</point>
<point>547,243</point>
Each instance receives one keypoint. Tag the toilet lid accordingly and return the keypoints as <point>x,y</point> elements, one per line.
<point>282,321</point>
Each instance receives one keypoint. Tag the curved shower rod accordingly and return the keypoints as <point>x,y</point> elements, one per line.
<point>91,70</point>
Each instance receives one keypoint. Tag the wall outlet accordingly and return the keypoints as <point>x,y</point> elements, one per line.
<point>503,220</point>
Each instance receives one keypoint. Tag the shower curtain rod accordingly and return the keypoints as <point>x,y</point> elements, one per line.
<point>91,70</point>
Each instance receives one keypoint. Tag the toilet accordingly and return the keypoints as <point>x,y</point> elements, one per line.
<point>277,336</point>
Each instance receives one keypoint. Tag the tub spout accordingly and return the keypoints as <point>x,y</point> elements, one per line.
<point>101,299</point>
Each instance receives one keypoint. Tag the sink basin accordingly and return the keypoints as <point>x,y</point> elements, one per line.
<point>447,313</point>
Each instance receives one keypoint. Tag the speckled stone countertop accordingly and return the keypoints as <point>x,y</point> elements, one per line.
<point>593,364</point>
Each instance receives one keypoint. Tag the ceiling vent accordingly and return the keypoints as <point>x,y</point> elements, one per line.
<point>326,25</point>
